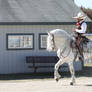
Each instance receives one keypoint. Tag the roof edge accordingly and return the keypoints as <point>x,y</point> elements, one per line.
<point>39,23</point>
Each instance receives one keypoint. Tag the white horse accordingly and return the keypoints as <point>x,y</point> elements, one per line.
<point>60,41</point>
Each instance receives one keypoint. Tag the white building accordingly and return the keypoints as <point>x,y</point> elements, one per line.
<point>23,24</point>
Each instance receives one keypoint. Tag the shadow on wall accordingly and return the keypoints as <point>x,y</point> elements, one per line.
<point>86,72</point>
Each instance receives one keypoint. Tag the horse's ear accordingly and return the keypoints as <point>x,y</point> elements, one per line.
<point>48,33</point>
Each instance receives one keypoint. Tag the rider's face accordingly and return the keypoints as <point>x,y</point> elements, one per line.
<point>78,19</point>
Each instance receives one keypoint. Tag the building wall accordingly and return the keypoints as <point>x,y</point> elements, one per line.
<point>14,61</point>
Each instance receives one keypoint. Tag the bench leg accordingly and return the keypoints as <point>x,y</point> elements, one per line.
<point>35,69</point>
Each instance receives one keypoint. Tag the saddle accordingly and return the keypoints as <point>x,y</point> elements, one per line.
<point>79,43</point>
<point>80,40</point>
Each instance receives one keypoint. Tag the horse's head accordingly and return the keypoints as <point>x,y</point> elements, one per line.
<point>58,39</point>
<point>50,42</point>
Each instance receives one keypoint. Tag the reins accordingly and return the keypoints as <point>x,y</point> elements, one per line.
<point>53,42</point>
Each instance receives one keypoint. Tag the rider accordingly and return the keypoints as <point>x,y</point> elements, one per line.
<point>80,29</point>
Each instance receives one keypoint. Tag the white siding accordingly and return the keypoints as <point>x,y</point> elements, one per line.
<point>14,61</point>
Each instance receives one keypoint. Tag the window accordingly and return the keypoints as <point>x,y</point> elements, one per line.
<point>42,41</point>
<point>20,41</point>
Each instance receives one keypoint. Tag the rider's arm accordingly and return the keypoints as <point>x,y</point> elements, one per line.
<point>83,28</point>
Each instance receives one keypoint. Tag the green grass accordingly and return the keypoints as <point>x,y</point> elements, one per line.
<point>88,65</point>
<point>87,71</point>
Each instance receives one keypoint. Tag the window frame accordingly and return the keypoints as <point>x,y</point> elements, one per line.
<point>16,34</point>
<point>41,34</point>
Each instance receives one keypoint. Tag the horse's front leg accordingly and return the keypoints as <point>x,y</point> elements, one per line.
<point>56,73</point>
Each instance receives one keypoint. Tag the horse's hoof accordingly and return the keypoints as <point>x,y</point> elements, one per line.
<point>57,79</point>
<point>71,83</point>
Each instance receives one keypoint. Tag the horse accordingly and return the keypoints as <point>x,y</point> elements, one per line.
<point>60,41</point>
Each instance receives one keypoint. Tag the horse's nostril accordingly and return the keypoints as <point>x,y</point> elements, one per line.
<point>53,48</point>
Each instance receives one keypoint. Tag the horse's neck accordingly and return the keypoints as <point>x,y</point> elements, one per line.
<point>61,43</point>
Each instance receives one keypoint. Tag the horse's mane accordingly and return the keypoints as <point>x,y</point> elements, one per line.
<point>61,33</point>
<point>61,39</point>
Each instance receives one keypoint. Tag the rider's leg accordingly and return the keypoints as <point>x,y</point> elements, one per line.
<point>79,39</point>
<point>79,45</point>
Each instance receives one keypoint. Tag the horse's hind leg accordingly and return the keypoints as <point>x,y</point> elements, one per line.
<point>72,71</point>
<point>57,65</point>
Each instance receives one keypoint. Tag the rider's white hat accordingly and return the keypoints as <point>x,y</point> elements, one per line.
<point>79,16</point>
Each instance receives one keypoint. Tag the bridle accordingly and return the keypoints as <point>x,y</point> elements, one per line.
<point>54,46</point>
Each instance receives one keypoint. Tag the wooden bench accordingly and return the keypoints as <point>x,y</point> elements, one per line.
<point>41,62</point>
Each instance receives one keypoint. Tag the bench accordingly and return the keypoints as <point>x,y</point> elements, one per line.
<point>41,62</point>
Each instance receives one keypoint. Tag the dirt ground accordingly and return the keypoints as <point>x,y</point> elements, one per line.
<point>46,85</point>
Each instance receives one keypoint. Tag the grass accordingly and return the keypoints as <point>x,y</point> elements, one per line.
<point>87,71</point>
<point>26,76</point>
<point>88,65</point>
